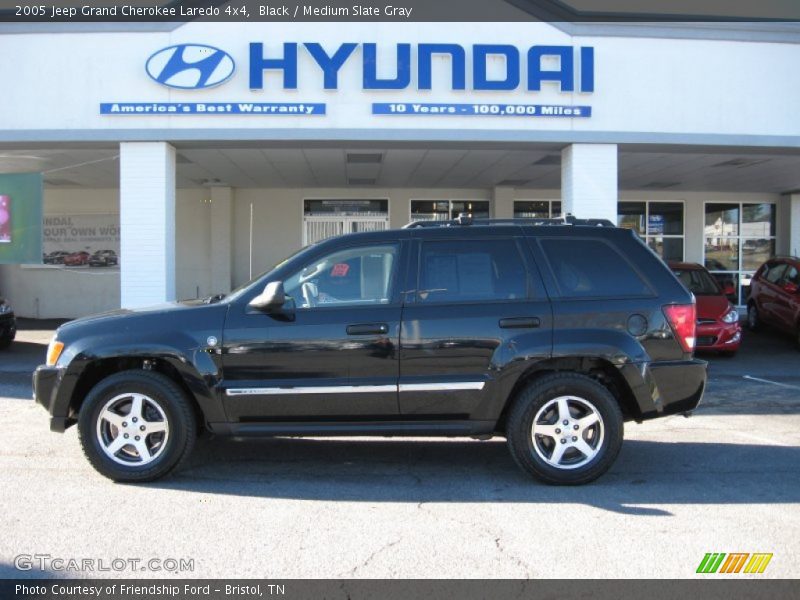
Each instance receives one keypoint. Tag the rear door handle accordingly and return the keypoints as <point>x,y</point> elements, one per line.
<point>520,323</point>
<point>367,328</point>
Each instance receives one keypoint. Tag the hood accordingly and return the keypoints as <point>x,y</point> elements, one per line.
<point>123,314</point>
<point>712,307</point>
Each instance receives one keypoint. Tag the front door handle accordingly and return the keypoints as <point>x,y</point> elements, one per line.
<point>520,323</point>
<point>367,329</point>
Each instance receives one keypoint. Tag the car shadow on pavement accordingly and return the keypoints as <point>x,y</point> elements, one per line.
<point>645,474</point>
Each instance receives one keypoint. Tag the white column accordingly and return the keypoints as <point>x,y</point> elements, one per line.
<point>503,202</point>
<point>589,181</point>
<point>788,223</point>
<point>221,239</point>
<point>147,223</point>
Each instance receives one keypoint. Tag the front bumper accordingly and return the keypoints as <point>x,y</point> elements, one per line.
<point>46,381</point>
<point>726,337</point>
<point>8,326</point>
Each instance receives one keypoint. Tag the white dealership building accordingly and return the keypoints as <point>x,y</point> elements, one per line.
<point>208,151</point>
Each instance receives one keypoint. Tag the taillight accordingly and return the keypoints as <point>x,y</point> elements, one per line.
<point>682,319</point>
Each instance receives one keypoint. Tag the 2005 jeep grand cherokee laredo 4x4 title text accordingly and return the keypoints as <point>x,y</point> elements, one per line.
<point>552,334</point>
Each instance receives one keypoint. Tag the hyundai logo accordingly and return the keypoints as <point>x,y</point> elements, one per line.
<point>190,66</point>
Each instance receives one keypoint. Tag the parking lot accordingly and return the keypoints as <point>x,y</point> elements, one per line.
<point>725,480</point>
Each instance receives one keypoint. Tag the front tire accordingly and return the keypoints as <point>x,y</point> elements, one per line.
<point>565,429</point>
<point>136,426</point>
<point>753,318</point>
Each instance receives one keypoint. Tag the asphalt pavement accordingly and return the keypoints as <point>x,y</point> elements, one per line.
<point>725,480</point>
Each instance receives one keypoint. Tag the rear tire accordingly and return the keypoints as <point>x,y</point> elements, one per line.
<point>136,426</point>
<point>559,454</point>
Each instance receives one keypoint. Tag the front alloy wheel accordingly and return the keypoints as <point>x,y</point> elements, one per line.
<point>132,429</point>
<point>136,426</point>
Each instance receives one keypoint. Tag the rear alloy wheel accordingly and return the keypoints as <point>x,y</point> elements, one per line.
<point>565,429</point>
<point>136,426</point>
<point>753,320</point>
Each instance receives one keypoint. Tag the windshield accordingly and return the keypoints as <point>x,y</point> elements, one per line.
<point>238,291</point>
<point>699,282</point>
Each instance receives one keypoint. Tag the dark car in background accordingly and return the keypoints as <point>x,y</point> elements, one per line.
<point>8,324</point>
<point>103,258</point>
<point>775,296</point>
<point>77,259</point>
<point>55,258</point>
<point>718,327</point>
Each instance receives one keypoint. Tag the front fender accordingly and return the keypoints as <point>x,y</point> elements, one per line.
<point>184,352</point>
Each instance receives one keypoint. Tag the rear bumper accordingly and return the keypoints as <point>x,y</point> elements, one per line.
<point>679,386</point>
<point>667,388</point>
<point>46,381</point>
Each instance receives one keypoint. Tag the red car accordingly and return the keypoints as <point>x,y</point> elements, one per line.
<point>718,326</point>
<point>775,296</point>
<point>76,259</point>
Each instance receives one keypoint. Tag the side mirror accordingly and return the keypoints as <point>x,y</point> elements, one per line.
<point>728,288</point>
<point>272,298</point>
<point>790,288</point>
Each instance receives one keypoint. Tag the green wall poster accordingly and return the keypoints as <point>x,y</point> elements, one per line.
<point>20,218</point>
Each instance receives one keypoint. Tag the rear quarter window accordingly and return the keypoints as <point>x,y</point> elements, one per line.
<point>591,268</point>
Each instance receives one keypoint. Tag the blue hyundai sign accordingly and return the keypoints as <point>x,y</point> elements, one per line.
<point>197,66</point>
<point>190,66</point>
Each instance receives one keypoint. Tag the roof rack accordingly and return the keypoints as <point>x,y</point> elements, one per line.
<point>464,220</point>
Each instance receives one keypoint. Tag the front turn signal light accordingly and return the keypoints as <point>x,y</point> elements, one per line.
<point>54,351</point>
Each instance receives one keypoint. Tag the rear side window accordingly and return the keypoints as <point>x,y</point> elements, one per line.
<point>471,270</point>
<point>590,268</point>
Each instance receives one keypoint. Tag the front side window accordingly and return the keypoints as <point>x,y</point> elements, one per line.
<point>775,273</point>
<point>350,277</point>
<point>470,271</point>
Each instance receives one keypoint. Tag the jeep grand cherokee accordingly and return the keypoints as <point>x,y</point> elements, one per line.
<point>550,333</point>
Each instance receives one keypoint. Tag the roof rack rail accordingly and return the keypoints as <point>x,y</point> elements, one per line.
<point>464,220</point>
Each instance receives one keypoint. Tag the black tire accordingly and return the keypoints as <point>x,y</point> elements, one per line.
<point>5,342</point>
<point>753,318</point>
<point>540,393</point>
<point>161,391</point>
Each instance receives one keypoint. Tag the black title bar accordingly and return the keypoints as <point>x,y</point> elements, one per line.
<point>176,11</point>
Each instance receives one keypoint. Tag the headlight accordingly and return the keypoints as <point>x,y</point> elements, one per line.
<point>5,308</point>
<point>54,351</point>
<point>732,316</point>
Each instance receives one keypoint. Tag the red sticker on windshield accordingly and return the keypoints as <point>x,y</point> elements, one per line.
<point>340,270</point>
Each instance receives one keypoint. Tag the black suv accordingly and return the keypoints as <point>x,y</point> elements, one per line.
<point>550,334</point>
<point>8,324</point>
